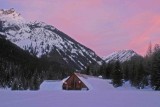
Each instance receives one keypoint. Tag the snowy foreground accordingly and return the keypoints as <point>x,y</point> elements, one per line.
<point>102,94</point>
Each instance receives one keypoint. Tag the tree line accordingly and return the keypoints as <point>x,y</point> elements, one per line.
<point>19,70</point>
<point>139,71</point>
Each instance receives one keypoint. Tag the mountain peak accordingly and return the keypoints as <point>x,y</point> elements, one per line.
<point>11,16</point>
<point>11,12</point>
<point>7,11</point>
<point>121,55</point>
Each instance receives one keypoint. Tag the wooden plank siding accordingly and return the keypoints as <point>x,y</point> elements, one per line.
<point>74,83</point>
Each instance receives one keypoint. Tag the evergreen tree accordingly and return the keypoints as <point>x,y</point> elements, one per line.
<point>102,70</point>
<point>132,68</point>
<point>148,60</point>
<point>108,70</point>
<point>126,72</point>
<point>139,76</point>
<point>149,51</point>
<point>155,75</point>
<point>117,75</point>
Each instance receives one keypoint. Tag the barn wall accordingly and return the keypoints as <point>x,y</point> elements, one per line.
<point>73,83</point>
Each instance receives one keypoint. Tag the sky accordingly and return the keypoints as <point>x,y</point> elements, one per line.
<point>104,26</point>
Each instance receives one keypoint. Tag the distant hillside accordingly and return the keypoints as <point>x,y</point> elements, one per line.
<point>20,70</point>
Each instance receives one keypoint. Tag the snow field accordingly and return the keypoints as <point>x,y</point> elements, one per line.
<point>103,94</point>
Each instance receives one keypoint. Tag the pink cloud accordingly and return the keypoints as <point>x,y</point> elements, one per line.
<point>142,29</point>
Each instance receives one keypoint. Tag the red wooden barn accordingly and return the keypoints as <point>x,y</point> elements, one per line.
<point>75,82</point>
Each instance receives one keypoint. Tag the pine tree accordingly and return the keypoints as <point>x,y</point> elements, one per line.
<point>139,75</point>
<point>155,75</point>
<point>132,68</point>
<point>102,69</point>
<point>149,51</point>
<point>148,60</point>
<point>108,70</point>
<point>126,72</point>
<point>117,75</point>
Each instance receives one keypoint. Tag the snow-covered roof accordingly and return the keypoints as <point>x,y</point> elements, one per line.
<point>51,85</point>
<point>84,78</point>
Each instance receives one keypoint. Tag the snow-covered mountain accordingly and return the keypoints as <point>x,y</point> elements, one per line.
<point>122,56</point>
<point>41,39</point>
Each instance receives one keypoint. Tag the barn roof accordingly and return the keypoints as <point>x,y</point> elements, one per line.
<point>84,78</point>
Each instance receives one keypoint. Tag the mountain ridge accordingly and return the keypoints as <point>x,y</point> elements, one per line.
<point>43,40</point>
<point>121,55</point>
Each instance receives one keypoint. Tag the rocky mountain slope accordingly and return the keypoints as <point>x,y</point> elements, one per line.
<point>122,56</point>
<point>44,40</point>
